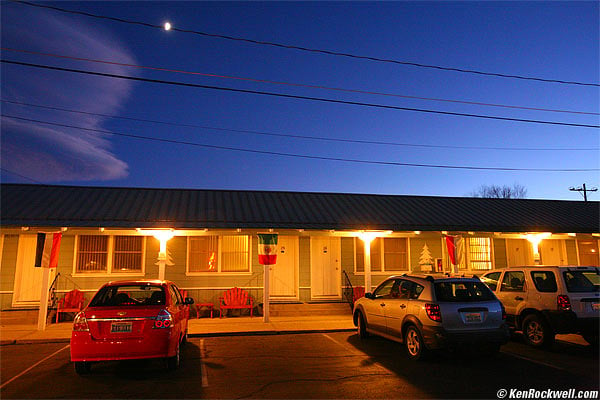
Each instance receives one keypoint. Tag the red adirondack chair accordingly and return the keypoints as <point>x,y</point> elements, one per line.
<point>72,302</point>
<point>359,291</point>
<point>235,298</point>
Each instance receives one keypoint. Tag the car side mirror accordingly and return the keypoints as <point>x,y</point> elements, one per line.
<point>188,301</point>
<point>369,295</point>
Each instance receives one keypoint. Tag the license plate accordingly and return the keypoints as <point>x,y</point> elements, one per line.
<point>595,306</point>
<point>473,317</point>
<point>120,327</point>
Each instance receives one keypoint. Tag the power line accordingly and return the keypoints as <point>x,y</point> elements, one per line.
<point>306,156</point>
<point>297,84</point>
<point>307,49</point>
<point>19,175</point>
<point>290,96</point>
<point>295,136</point>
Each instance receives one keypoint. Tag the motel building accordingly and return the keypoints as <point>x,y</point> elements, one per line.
<point>209,239</point>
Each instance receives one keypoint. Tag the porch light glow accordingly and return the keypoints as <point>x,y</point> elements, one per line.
<point>572,234</point>
<point>167,26</point>
<point>163,236</point>
<point>535,239</point>
<point>417,232</point>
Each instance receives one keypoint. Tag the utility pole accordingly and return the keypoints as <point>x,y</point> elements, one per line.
<point>584,190</point>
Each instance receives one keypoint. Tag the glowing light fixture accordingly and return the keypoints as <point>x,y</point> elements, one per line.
<point>535,239</point>
<point>417,232</point>
<point>167,26</point>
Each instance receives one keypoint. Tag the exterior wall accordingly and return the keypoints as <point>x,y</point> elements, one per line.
<point>500,260</point>
<point>208,288</point>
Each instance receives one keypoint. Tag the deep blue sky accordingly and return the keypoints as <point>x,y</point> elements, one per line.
<point>553,40</point>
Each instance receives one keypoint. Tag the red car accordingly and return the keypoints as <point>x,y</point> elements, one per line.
<point>131,320</point>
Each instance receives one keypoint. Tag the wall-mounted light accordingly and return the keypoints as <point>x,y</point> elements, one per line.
<point>24,228</point>
<point>572,234</point>
<point>471,233</point>
<point>535,239</point>
<point>163,236</point>
<point>167,26</point>
<point>417,232</point>
<point>101,229</point>
<point>64,229</point>
<point>444,232</point>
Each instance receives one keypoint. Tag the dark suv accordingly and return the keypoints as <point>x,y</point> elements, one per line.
<point>432,312</point>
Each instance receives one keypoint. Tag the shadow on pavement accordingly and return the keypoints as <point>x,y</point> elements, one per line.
<point>458,375</point>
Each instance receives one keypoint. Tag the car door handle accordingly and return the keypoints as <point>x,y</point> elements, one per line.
<point>519,298</point>
<point>382,304</point>
<point>402,305</point>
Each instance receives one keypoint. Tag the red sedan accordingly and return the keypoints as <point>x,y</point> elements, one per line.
<point>131,320</point>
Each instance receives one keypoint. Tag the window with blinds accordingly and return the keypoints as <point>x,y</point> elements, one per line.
<point>588,252</point>
<point>395,254</point>
<point>203,254</point>
<point>219,254</point>
<point>92,254</point>
<point>375,255</point>
<point>480,255</point>
<point>234,254</point>
<point>128,253</point>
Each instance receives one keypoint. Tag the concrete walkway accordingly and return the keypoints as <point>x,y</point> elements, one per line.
<point>15,333</point>
<point>61,332</point>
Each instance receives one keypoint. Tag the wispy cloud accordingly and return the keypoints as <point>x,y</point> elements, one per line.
<point>52,154</point>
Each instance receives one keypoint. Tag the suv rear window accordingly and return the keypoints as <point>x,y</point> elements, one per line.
<point>582,281</point>
<point>129,295</point>
<point>462,291</point>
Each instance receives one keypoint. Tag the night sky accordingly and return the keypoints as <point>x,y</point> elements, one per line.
<point>543,39</point>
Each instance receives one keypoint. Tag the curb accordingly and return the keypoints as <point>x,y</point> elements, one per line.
<point>268,333</point>
<point>32,341</point>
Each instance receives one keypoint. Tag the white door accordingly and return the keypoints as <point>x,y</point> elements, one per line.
<point>518,252</point>
<point>283,276</point>
<point>28,279</point>
<point>326,275</point>
<point>552,252</point>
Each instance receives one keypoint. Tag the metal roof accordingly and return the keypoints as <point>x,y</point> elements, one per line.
<point>118,207</point>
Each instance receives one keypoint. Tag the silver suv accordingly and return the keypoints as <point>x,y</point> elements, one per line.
<point>428,312</point>
<point>544,300</point>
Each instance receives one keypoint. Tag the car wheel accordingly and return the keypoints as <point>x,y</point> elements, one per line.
<point>83,367</point>
<point>415,346</point>
<point>173,362</point>
<point>362,326</point>
<point>536,331</point>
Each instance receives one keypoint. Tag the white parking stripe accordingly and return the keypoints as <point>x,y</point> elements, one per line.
<point>532,360</point>
<point>33,366</point>
<point>202,365</point>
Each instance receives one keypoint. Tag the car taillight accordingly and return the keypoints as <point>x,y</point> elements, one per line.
<point>80,323</point>
<point>434,312</point>
<point>563,302</point>
<point>164,319</point>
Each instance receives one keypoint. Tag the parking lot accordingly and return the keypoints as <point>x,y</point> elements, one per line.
<point>312,365</point>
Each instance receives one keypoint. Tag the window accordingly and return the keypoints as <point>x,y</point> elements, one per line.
<point>387,254</point>
<point>96,254</point>
<point>491,280</point>
<point>544,281</point>
<point>128,254</point>
<point>514,281</point>
<point>582,281</point>
<point>462,292</point>
<point>129,295</point>
<point>385,289</point>
<point>395,254</point>
<point>92,254</point>
<point>480,254</point>
<point>214,254</point>
<point>203,254</point>
<point>588,252</point>
<point>375,255</point>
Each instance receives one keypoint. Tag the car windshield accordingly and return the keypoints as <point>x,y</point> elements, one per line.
<point>582,281</point>
<point>457,291</point>
<point>129,295</point>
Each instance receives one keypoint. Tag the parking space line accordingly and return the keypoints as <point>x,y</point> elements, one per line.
<point>347,348</point>
<point>202,365</point>
<point>532,360</point>
<point>33,366</point>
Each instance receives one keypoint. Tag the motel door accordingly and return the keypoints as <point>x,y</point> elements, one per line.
<point>518,252</point>
<point>28,279</point>
<point>325,262</point>
<point>283,276</point>
<point>552,252</point>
